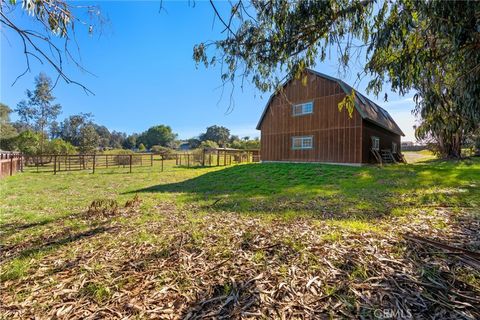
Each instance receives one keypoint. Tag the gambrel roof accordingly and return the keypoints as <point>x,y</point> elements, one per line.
<point>367,109</point>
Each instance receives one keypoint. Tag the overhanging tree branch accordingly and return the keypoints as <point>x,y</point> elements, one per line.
<point>56,18</point>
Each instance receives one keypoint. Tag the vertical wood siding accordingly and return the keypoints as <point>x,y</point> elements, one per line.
<point>337,137</point>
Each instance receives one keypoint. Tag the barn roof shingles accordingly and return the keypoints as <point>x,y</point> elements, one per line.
<point>368,109</point>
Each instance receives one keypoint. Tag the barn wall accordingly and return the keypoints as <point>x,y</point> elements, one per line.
<point>386,139</point>
<point>337,137</point>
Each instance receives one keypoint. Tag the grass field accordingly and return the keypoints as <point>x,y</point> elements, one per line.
<point>253,240</point>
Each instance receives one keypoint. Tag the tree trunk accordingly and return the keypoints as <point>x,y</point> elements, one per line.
<point>451,148</point>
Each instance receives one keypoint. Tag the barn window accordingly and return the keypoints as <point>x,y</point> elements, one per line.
<point>394,147</point>
<point>303,108</point>
<point>375,143</point>
<point>299,143</point>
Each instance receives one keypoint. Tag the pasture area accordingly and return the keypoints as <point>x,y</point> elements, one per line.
<point>244,241</point>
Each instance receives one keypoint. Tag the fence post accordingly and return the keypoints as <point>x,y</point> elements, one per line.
<point>94,160</point>
<point>11,165</point>
<point>224,158</point>
<point>151,160</point>
<point>188,160</point>
<point>176,159</point>
<point>106,161</point>
<point>130,163</point>
<point>55,164</point>
<point>203,157</point>
<point>162,163</point>
<point>218,158</point>
<point>21,162</point>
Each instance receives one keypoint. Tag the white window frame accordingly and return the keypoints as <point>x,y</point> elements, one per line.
<point>375,143</point>
<point>302,109</point>
<point>394,147</point>
<point>304,145</point>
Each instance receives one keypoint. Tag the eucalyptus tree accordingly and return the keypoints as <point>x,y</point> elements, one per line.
<point>39,110</point>
<point>88,139</point>
<point>400,43</point>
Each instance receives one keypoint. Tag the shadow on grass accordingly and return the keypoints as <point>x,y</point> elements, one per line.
<point>18,226</point>
<point>326,190</point>
<point>8,229</point>
<point>44,244</point>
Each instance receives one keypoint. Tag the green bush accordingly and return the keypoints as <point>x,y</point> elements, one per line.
<point>28,142</point>
<point>59,146</point>
<point>120,156</point>
<point>208,144</point>
<point>167,153</point>
<point>118,151</point>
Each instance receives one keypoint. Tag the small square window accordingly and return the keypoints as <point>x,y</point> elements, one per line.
<point>375,143</point>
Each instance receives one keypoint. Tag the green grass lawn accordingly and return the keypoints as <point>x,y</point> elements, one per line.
<point>253,240</point>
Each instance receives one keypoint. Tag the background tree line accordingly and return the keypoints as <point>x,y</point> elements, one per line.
<point>38,132</point>
<point>430,47</point>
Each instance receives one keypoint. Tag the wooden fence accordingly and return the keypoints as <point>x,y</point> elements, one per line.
<point>77,162</point>
<point>92,162</point>
<point>10,163</point>
<point>216,157</point>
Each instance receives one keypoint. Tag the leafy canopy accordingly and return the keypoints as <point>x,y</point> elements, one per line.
<point>160,135</point>
<point>400,43</point>
<point>218,134</point>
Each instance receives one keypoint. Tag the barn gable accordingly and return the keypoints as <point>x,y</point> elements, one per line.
<point>368,109</point>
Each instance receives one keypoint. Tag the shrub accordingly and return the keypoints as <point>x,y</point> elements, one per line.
<point>121,156</point>
<point>208,144</point>
<point>59,146</point>
<point>118,151</point>
<point>28,142</point>
<point>167,153</point>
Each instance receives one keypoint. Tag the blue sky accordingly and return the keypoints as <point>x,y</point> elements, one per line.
<point>144,73</point>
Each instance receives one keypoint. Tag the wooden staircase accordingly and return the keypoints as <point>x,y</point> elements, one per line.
<point>387,156</point>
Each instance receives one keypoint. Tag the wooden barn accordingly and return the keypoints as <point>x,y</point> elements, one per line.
<point>303,124</point>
